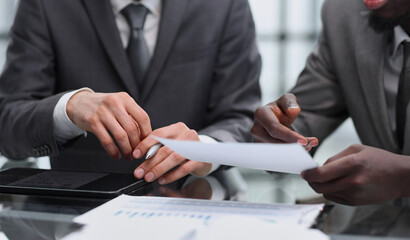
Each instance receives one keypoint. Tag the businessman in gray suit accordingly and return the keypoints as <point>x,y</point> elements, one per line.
<point>126,71</point>
<point>360,69</point>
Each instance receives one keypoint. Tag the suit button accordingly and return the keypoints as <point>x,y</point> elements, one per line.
<point>41,151</point>
<point>47,150</point>
<point>36,152</point>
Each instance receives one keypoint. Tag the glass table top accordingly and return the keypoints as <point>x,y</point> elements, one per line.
<point>48,217</point>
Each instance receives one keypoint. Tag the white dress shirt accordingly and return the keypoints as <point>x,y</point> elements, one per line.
<point>151,25</point>
<point>393,64</point>
<point>65,129</point>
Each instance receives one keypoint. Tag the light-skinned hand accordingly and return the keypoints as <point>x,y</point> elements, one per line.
<point>165,159</point>
<point>110,114</point>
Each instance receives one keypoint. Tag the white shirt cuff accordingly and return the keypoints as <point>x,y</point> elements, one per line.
<point>64,128</point>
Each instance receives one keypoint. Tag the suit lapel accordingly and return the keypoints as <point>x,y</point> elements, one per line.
<point>101,15</point>
<point>370,53</point>
<point>172,13</point>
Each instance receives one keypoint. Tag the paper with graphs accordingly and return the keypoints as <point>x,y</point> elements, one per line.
<point>287,158</point>
<point>131,217</point>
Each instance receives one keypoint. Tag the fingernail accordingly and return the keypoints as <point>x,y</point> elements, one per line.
<point>137,153</point>
<point>302,141</point>
<point>293,105</point>
<point>162,181</point>
<point>139,173</point>
<point>149,177</point>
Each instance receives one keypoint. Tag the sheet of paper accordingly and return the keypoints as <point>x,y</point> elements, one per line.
<point>133,208</point>
<point>287,158</point>
<point>130,217</point>
<point>243,228</point>
<point>225,228</point>
<point>136,229</point>
<point>238,228</point>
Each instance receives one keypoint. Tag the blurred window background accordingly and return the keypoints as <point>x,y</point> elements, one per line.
<point>287,32</point>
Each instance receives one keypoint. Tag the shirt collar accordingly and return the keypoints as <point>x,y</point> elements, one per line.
<point>154,6</point>
<point>399,36</point>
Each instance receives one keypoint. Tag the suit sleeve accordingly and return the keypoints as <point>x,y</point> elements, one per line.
<point>235,91</point>
<point>27,86</point>
<point>318,90</point>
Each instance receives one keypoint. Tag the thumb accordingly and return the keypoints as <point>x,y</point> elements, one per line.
<point>290,107</point>
<point>292,113</point>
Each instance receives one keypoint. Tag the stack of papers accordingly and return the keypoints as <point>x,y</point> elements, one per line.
<point>130,217</point>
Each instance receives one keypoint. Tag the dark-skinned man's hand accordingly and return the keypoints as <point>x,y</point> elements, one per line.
<point>273,121</point>
<point>362,175</point>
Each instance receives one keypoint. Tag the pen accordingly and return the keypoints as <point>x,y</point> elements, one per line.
<point>153,150</point>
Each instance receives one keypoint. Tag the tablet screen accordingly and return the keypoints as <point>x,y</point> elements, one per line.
<point>67,183</point>
<point>59,179</point>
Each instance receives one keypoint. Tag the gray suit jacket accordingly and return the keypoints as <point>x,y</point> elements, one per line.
<point>343,77</point>
<point>204,72</point>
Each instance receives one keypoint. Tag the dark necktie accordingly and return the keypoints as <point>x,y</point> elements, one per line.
<point>137,49</point>
<point>403,94</point>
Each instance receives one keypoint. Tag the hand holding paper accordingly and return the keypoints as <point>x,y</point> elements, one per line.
<point>167,166</point>
<point>273,123</point>
<point>287,158</point>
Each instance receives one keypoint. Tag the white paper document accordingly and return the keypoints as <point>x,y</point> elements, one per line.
<point>130,217</point>
<point>287,158</point>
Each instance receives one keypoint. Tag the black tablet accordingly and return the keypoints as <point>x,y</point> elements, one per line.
<point>30,181</point>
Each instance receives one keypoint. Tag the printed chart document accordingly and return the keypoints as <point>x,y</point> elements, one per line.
<point>131,217</point>
<point>287,158</point>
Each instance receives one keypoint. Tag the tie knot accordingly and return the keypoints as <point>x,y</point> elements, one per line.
<point>135,15</point>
